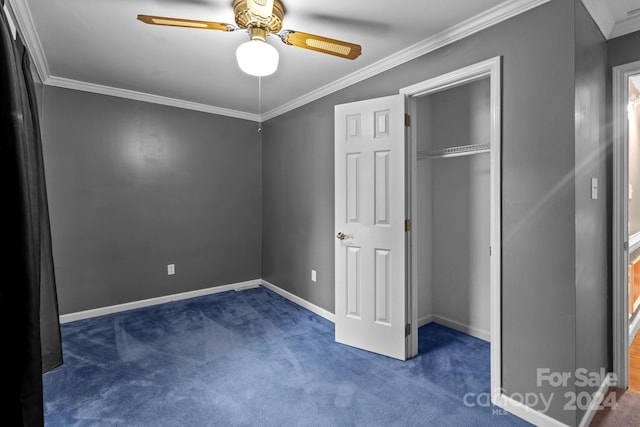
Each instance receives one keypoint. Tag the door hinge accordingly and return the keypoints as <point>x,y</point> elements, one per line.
<point>407,225</point>
<point>407,330</point>
<point>407,120</point>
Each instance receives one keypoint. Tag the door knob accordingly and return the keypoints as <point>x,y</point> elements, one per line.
<point>341,236</point>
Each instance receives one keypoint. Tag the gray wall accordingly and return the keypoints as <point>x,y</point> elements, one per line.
<point>297,202</point>
<point>422,225</point>
<point>623,50</point>
<point>592,230</point>
<point>453,220</point>
<point>135,186</point>
<point>460,246</point>
<point>460,116</point>
<point>539,200</point>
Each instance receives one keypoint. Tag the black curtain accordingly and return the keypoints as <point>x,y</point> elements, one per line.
<point>29,323</point>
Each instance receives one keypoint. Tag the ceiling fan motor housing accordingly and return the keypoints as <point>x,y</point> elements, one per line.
<point>245,19</point>
<point>261,18</point>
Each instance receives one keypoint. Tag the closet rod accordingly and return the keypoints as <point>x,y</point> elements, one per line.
<point>464,150</point>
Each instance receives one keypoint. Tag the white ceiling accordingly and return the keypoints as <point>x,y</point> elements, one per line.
<point>99,46</point>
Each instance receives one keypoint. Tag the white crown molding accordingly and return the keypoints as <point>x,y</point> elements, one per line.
<point>26,28</point>
<point>479,22</point>
<point>147,97</point>
<point>602,15</point>
<point>625,27</point>
<point>486,19</point>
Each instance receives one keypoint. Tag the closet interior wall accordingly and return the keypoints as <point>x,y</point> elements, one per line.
<point>453,224</point>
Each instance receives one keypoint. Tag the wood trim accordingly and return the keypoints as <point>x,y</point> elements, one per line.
<point>634,365</point>
<point>634,327</point>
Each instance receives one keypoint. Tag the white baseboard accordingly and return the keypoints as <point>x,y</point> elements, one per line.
<point>521,410</point>
<point>301,302</point>
<point>453,324</point>
<point>597,399</point>
<point>501,400</point>
<point>425,320</point>
<point>542,420</point>
<point>71,317</point>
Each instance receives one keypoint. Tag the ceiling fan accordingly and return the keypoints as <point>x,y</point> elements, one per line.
<point>262,18</point>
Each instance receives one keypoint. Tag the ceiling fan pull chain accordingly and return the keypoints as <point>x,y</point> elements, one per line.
<point>259,104</point>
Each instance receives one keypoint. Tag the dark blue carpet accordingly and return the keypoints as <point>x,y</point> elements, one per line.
<point>252,358</point>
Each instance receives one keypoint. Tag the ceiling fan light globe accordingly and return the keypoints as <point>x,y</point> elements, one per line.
<point>257,58</point>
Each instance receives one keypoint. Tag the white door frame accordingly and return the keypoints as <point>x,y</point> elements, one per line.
<point>490,68</point>
<point>622,332</point>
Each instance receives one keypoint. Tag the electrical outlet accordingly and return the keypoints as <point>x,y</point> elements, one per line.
<point>171,269</point>
<point>313,275</point>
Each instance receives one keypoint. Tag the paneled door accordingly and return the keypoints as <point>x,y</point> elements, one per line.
<point>370,213</point>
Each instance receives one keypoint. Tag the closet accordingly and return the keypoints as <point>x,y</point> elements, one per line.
<point>453,172</point>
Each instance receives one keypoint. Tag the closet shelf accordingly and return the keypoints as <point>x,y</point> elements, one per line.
<point>463,150</point>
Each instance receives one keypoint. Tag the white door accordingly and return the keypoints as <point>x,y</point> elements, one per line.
<point>371,277</point>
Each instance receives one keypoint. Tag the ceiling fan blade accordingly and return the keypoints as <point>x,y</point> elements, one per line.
<point>261,8</point>
<point>188,23</point>
<point>321,44</point>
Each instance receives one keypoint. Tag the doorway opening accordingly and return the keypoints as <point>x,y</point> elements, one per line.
<point>626,217</point>
<point>633,203</point>
<point>454,198</point>
<point>453,204</point>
